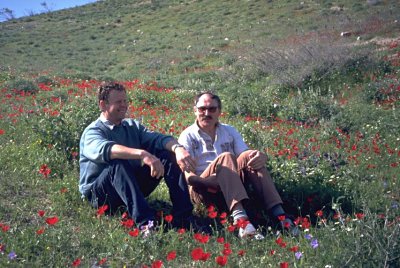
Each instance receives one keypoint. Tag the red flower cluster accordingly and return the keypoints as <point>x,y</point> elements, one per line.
<point>212,213</point>
<point>303,222</point>
<point>128,223</point>
<point>242,223</point>
<point>282,218</point>
<point>223,216</point>
<point>198,254</point>
<point>201,238</point>
<point>101,210</point>
<point>227,250</point>
<point>280,242</point>
<point>4,227</point>
<point>44,170</point>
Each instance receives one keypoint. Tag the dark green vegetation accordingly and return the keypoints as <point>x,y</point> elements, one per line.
<point>325,108</point>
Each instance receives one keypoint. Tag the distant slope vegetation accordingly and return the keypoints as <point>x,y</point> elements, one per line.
<point>126,39</point>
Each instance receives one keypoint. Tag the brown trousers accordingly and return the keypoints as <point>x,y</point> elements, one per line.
<point>232,175</point>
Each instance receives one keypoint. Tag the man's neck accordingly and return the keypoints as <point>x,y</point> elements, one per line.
<point>110,120</point>
<point>211,130</point>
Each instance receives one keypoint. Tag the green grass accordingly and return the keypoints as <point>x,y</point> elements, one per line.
<point>324,109</point>
<point>316,167</point>
<point>124,38</point>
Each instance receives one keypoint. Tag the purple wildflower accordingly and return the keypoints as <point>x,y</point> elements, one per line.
<point>298,255</point>
<point>146,229</point>
<point>314,243</point>
<point>12,255</point>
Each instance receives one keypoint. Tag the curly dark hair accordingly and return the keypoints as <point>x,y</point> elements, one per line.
<point>106,87</point>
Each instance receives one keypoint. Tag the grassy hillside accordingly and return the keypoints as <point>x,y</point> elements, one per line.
<point>166,40</point>
<point>323,105</point>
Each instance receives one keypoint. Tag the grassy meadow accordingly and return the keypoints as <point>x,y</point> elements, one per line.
<point>314,84</point>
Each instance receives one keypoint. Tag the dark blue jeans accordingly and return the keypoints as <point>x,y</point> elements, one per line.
<point>121,185</point>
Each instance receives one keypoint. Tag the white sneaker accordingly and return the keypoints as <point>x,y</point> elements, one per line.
<point>250,231</point>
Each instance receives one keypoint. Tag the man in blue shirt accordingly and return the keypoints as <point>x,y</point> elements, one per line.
<point>121,161</point>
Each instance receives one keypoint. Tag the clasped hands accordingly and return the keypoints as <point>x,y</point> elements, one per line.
<point>257,160</point>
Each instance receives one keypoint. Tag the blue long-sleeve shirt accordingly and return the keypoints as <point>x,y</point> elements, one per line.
<point>98,138</point>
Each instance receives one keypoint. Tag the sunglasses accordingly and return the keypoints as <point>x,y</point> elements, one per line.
<point>203,109</point>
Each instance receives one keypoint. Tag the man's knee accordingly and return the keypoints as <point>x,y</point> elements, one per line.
<point>228,155</point>
<point>227,160</point>
<point>243,158</point>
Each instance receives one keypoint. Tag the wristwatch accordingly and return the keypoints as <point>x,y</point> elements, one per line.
<point>176,146</point>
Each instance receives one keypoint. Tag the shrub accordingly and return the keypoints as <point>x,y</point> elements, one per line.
<point>44,80</point>
<point>62,130</point>
<point>308,105</point>
<point>304,64</point>
<point>253,101</point>
<point>22,85</point>
<point>358,115</point>
<point>385,92</point>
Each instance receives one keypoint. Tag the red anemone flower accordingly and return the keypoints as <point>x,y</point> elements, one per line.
<point>157,264</point>
<point>134,232</point>
<point>221,260</point>
<point>284,265</point>
<point>52,220</point>
<point>168,218</point>
<point>76,262</point>
<point>101,210</point>
<point>171,255</point>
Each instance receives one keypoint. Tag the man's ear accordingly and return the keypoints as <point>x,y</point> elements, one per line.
<point>102,105</point>
<point>194,109</point>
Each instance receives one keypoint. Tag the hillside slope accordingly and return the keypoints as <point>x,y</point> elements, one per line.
<point>159,39</point>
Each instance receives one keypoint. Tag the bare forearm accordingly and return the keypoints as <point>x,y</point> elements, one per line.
<point>123,152</point>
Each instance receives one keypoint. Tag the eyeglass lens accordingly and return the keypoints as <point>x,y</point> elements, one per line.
<point>211,109</point>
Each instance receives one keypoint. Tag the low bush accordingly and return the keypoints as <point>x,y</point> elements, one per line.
<point>22,85</point>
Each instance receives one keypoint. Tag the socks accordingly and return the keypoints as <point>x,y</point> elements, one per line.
<point>277,211</point>
<point>238,214</point>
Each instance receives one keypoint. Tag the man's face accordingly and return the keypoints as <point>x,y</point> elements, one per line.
<point>207,112</point>
<point>116,107</point>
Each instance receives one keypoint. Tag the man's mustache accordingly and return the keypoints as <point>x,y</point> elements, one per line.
<point>207,117</point>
